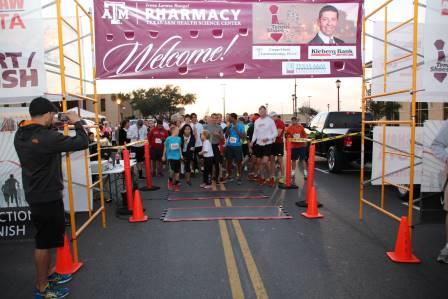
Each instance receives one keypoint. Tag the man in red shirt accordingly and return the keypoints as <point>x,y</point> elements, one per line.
<point>156,138</point>
<point>298,149</point>
<point>279,145</point>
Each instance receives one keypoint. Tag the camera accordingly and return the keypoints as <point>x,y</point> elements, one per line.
<point>62,117</point>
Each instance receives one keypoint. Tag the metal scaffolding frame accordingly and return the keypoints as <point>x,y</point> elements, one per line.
<point>384,123</point>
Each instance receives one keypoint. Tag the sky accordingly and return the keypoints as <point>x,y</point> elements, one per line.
<point>246,95</point>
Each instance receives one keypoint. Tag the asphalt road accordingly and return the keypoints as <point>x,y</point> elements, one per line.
<point>334,257</point>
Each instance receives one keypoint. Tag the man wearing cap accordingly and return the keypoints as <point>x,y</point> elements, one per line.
<point>138,132</point>
<point>156,138</point>
<point>39,149</point>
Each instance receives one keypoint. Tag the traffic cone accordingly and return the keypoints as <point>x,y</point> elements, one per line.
<point>64,260</point>
<point>137,212</point>
<point>312,211</point>
<point>403,246</point>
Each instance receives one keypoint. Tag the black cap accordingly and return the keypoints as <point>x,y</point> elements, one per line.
<point>40,106</point>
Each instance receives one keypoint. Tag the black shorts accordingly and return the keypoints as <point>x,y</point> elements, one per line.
<point>278,149</point>
<point>264,150</point>
<point>234,153</point>
<point>139,153</point>
<point>49,220</point>
<point>174,165</point>
<point>156,154</point>
<point>245,149</point>
<point>298,154</point>
<point>217,157</point>
<point>256,150</point>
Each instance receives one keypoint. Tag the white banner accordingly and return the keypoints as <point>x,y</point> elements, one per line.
<point>22,72</point>
<point>435,70</point>
<point>400,138</point>
<point>12,194</point>
<point>399,73</point>
<point>433,169</point>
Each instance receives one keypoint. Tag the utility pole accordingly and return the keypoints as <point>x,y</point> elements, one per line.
<point>224,100</point>
<point>338,86</point>
<point>328,107</point>
<point>295,97</point>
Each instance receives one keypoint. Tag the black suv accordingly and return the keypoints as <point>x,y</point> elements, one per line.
<point>340,152</point>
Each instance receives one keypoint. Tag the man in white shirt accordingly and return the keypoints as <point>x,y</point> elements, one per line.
<point>197,131</point>
<point>264,136</point>
<point>138,132</point>
<point>328,22</point>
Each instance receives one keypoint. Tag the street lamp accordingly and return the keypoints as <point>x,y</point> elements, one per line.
<point>119,109</point>
<point>224,99</point>
<point>338,85</point>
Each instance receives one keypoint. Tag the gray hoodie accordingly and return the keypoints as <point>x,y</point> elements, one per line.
<point>440,144</point>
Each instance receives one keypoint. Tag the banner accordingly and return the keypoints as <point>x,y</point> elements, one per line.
<point>208,39</point>
<point>435,70</point>
<point>22,72</point>
<point>15,224</point>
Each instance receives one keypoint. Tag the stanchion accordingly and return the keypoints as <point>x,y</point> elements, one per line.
<point>149,186</point>
<point>288,184</point>
<point>128,179</point>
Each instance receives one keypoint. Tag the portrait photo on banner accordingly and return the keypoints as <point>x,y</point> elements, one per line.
<point>305,23</point>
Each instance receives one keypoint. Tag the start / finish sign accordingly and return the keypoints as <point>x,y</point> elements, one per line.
<point>15,223</point>
<point>246,39</point>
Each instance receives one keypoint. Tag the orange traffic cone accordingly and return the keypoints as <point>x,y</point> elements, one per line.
<point>137,213</point>
<point>64,260</point>
<point>311,211</point>
<point>403,246</point>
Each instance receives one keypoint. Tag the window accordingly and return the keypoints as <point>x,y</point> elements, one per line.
<point>84,104</point>
<point>103,105</point>
<point>445,110</point>
<point>422,114</point>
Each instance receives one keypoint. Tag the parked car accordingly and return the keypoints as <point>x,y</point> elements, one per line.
<point>340,152</point>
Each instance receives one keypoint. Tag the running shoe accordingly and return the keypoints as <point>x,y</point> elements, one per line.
<point>270,182</point>
<point>443,256</point>
<point>189,183</point>
<point>208,186</point>
<point>238,180</point>
<point>177,188</point>
<point>202,185</point>
<point>305,174</point>
<point>170,185</point>
<point>58,279</point>
<point>260,181</point>
<point>51,293</point>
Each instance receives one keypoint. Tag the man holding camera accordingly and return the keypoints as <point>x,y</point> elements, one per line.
<point>39,149</point>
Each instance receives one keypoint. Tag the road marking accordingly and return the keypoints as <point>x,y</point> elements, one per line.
<point>252,268</point>
<point>232,269</point>
<point>414,207</point>
<point>322,170</point>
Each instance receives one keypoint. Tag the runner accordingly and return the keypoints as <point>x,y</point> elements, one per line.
<point>234,133</point>
<point>253,151</point>
<point>279,145</point>
<point>298,149</point>
<point>216,136</point>
<point>156,138</point>
<point>207,153</point>
<point>188,142</point>
<point>264,136</point>
<point>197,131</point>
<point>172,153</point>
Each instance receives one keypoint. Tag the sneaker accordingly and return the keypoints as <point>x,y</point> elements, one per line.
<point>58,279</point>
<point>238,181</point>
<point>443,256</point>
<point>270,182</point>
<point>207,186</point>
<point>260,181</point>
<point>170,185</point>
<point>51,293</point>
<point>177,188</point>
<point>305,174</point>
<point>196,171</point>
<point>202,185</point>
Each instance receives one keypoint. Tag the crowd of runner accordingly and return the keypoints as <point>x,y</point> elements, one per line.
<point>222,149</point>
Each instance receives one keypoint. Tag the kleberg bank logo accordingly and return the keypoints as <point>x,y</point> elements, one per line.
<point>115,12</point>
<point>331,52</point>
<point>306,68</point>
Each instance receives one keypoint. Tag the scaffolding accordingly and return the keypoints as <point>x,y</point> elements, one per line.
<point>64,24</point>
<point>385,149</point>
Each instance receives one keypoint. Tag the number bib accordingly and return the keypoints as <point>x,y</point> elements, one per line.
<point>158,141</point>
<point>296,136</point>
<point>233,140</point>
<point>174,146</point>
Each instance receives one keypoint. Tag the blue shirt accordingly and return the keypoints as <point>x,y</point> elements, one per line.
<point>233,139</point>
<point>173,147</point>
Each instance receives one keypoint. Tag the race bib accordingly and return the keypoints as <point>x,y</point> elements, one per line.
<point>158,140</point>
<point>296,136</point>
<point>233,140</point>
<point>174,146</point>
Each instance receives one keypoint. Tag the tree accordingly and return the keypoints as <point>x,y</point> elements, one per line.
<point>389,110</point>
<point>159,101</point>
<point>308,111</point>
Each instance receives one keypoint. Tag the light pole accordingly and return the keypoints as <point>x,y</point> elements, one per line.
<point>119,109</point>
<point>338,85</point>
<point>294,105</point>
<point>295,97</point>
<point>309,108</point>
<point>328,107</point>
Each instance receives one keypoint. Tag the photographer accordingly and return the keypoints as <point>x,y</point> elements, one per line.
<point>39,149</point>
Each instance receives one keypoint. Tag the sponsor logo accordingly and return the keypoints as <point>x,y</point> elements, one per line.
<point>275,52</point>
<point>331,52</point>
<point>440,70</point>
<point>115,12</point>
<point>277,29</point>
<point>306,68</point>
